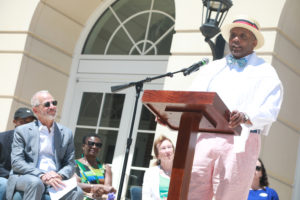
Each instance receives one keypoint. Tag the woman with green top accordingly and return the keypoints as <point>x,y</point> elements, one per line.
<point>93,177</point>
<point>157,178</point>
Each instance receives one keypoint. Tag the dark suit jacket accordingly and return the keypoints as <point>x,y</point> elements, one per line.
<point>6,139</point>
<point>25,153</point>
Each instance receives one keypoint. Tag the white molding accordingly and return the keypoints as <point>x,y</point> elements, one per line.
<point>40,39</point>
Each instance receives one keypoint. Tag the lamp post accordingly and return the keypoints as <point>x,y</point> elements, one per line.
<point>215,13</point>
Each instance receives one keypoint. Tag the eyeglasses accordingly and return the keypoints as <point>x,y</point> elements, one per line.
<point>91,144</point>
<point>258,168</point>
<point>48,103</point>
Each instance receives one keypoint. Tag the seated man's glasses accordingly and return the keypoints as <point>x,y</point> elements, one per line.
<point>91,144</point>
<point>48,103</point>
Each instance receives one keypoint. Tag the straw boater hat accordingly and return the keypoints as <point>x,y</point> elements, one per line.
<point>247,23</point>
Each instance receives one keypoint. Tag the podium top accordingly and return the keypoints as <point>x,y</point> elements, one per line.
<point>169,105</point>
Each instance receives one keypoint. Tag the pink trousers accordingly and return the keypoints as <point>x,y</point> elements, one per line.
<point>220,172</point>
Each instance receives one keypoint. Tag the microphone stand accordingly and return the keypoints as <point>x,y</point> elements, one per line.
<point>138,87</point>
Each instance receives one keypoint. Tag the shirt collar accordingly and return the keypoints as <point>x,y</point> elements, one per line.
<point>45,128</point>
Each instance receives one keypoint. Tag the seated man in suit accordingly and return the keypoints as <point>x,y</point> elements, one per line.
<point>21,116</point>
<point>42,153</point>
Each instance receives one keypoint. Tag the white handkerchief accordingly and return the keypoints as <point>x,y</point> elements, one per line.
<point>70,185</point>
<point>240,141</point>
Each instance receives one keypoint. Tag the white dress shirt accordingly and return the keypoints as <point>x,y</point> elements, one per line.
<point>46,160</point>
<point>255,90</point>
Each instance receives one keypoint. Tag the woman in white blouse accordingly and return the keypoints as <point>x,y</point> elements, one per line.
<point>157,178</point>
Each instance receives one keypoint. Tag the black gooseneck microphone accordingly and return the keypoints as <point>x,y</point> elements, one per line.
<point>195,67</point>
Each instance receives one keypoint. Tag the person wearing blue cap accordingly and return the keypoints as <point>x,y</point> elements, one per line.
<point>22,116</point>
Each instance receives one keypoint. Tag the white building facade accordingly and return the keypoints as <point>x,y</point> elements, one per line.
<point>78,50</point>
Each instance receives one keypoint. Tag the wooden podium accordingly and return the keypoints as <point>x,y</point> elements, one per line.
<point>189,113</point>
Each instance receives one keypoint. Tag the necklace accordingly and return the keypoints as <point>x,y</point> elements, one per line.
<point>168,173</point>
<point>95,165</point>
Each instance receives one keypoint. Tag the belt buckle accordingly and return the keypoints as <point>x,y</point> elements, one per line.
<point>257,131</point>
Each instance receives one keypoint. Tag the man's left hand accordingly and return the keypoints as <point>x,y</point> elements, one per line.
<point>53,179</point>
<point>236,118</point>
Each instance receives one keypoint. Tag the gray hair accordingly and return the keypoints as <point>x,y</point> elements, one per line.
<point>35,100</point>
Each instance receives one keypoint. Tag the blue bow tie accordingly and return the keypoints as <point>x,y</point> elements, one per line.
<point>240,62</point>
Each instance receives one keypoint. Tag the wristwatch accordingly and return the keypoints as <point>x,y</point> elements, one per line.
<point>246,118</point>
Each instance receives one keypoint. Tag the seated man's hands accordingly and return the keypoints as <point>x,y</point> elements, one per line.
<point>53,179</point>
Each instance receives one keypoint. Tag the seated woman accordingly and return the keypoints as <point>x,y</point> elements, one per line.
<point>259,188</point>
<point>93,177</point>
<point>157,178</point>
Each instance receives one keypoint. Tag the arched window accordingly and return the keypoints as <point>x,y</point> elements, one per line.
<point>130,40</point>
<point>133,27</point>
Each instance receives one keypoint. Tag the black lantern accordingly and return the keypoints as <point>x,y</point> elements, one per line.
<point>215,13</point>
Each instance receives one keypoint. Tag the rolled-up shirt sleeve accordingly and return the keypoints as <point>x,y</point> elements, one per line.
<point>268,102</point>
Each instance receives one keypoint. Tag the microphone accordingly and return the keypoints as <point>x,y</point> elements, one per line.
<point>195,67</point>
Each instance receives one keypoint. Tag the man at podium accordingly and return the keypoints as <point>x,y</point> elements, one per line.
<point>224,164</point>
